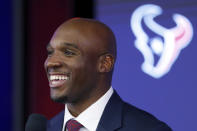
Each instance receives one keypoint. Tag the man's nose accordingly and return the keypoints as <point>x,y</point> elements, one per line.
<point>53,62</point>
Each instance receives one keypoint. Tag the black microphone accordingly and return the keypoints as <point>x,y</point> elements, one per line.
<point>36,122</point>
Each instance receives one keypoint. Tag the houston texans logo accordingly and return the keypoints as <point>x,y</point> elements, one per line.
<point>168,49</point>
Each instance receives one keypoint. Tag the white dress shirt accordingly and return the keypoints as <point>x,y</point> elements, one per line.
<point>90,117</point>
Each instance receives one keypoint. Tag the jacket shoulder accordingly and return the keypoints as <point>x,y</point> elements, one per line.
<point>56,123</point>
<point>137,119</point>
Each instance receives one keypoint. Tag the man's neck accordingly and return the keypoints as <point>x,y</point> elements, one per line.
<point>76,108</point>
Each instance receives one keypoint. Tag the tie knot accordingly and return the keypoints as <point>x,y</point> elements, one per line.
<point>73,125</point>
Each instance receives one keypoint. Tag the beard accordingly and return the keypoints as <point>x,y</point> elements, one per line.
<point>64,99</point>
<point>61,99</point>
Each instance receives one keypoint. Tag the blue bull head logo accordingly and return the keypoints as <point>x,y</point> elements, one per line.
<point>168,49</point>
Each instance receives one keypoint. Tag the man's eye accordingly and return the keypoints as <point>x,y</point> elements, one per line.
<point>49,52</point>
<point>69,53</point>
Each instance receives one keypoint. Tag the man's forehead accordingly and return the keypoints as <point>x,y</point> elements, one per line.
<point>85,33</point>
<point>85,25</point>
<point>79,41</point>
<point>65,36</point>
<point>76,35</point>
<point>63,44</point>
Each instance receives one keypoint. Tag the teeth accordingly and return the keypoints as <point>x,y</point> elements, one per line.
<point>58,77</point>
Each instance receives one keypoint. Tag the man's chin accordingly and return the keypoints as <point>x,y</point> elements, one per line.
<point>62,100</point>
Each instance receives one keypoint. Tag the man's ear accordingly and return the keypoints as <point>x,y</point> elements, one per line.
<point>105,63</point>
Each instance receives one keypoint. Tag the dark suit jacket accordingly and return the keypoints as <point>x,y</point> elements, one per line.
<point>118,116</point>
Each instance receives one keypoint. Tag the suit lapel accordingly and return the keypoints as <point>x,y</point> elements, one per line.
<point>56,123</point>
<point>112,115</point>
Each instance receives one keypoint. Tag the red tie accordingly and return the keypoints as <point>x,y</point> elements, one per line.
<point>73,125</point>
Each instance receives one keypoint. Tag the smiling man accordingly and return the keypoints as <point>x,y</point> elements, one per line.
<point>79,66</point>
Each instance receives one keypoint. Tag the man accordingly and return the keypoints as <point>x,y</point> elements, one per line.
<point>79,66</point>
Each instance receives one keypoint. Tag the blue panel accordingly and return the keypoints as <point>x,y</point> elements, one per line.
<point>5,66</point>
<point>171,97</point>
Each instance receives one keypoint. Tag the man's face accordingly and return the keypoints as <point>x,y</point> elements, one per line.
<point>71,66</point>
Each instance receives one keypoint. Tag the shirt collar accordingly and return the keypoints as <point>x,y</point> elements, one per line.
<point>90,117</point>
